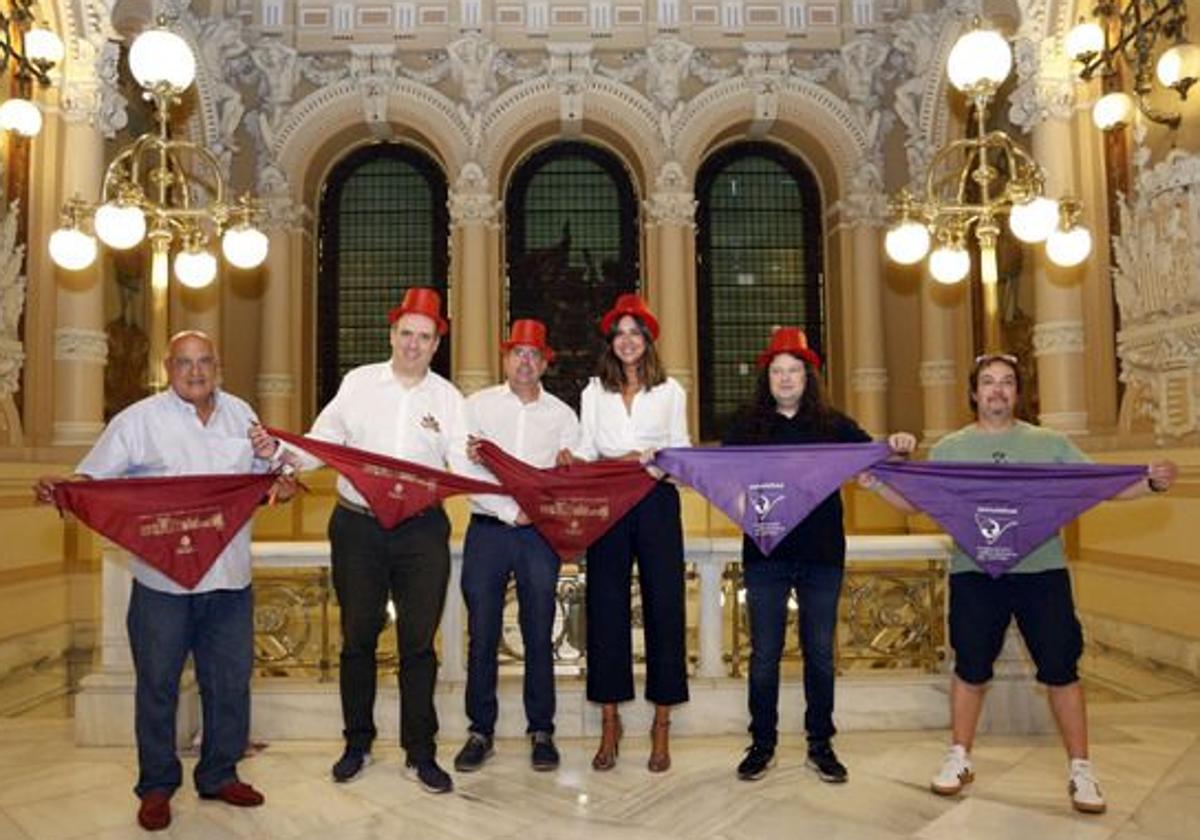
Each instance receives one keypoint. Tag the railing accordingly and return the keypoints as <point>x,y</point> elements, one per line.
<point>892,613</point>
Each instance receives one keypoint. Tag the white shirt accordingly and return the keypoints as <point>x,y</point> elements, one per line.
<point>656,419</point>
<point>372,410</point>
<point>534,432</point>
<point>162,436</point>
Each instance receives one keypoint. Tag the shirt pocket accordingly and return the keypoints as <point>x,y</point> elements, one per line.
<point>229,454</point>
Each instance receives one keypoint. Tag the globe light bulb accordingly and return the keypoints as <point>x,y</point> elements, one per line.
<point>119,225</point>
<point>159,56</point>
<point>907,243</point>
<point>1112,111</point>
<point>1084,40</point>
<point>1068,248</point>
<point>949,264</point>
<point>1034,220</point>
<point>981,56</point>
<point>72,249</point>
<point>244,246</point>
<point>195,267</point>
<point>21,116</point>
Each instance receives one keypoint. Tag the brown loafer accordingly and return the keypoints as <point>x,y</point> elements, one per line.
<point>239,794</point>
<point>154,814</point>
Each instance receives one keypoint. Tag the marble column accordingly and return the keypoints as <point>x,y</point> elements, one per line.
<point>276,383</point>
<point>473,220</point>
<point>940,389</point>
<point>670,213</point>
<point>80,343</point>
<point>869,376</point>
<point>1058,335</point>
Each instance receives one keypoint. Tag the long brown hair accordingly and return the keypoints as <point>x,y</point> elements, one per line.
<point>814,409</point>
<point>611,372</point>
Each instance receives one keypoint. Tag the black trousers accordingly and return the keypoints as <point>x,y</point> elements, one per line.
<point>410,563</point>
<point>652,533</point>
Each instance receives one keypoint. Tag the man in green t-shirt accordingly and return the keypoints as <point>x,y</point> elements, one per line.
<point>1037,591</point>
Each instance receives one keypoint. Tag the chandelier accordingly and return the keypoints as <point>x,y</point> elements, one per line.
<point>33,50</point>
<point>1132,33</point>
<point>973,182</point>
<point>165,190</point>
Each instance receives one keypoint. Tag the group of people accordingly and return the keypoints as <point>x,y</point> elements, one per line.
<point>401,408</point>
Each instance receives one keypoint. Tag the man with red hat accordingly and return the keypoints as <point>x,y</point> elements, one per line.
<point>531,424</point>
<point>402,409</point>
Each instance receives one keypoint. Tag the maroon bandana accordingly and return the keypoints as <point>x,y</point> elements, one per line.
<point>177,525</point>
<point>571,506</point>
<point>394,489</point>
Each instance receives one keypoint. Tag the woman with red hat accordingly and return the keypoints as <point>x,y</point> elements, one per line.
<point>628,410</point>
<point>790,407</point>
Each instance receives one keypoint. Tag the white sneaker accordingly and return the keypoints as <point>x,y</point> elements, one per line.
<point>955,773</point>
<point>1084,789</point>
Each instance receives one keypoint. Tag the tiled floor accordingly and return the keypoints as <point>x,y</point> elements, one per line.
<point>1146,748</point>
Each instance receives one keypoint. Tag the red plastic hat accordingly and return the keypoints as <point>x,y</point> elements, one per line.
<point>421,300</point>
<point>531,333</point>
<point>630,304</point>
<point>790,340</point>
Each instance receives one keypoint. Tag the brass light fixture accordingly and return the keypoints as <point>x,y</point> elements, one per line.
<point>163,189</point>
<point>1133,32</point>
<point>33,51</point>
<point>972,182</point>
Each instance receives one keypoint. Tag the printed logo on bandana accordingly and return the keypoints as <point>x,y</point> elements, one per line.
<point>185,546</point>
<point>572,509</point>
<point>397,491</point>
<point>165,524</point>
<point>998,528</point>
<point>763,498</point>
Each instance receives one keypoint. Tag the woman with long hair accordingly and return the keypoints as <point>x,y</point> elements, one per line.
<point>628,410</point>
<point>790,407</point>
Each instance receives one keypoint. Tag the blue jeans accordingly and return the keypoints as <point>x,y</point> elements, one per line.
<point>492,552</point>
<point>217,628</point>
<point>817,588</point>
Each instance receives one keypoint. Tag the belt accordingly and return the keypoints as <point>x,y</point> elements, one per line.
<point>343,502</point>
<point>488,519</point>
<point>362,510</point>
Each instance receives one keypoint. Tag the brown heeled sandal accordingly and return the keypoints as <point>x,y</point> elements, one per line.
<point>610,742</point>
<point>660,754</point>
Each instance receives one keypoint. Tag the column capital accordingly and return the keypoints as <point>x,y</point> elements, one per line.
<point>673,201</point>
<point>466,208</point>
<point>1052,338</point>
<point>75,344</point>
<point>1070,422</point>
<point>936,373</point>
<point>271,385</point>
<point>869,380</point>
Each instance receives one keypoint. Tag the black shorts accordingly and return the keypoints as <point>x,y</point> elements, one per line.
<point>981,607</point>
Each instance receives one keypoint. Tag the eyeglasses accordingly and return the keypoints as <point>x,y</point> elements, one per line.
<point>996,357</point>
<point>182,363</point>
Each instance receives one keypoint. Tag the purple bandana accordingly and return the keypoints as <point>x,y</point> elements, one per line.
<point>769,490</point>
<point>998,513</point>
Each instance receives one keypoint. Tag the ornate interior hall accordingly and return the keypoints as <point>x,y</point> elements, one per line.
<point>743,165</point>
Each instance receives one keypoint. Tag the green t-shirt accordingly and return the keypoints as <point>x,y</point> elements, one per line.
<point>1024,443</point>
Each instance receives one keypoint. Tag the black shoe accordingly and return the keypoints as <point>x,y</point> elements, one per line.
<point>477,750</point>
<point>352,762</point>
<point>759,758</point>
<point>544,755</point>
<point>431,777</point>
<point>824,760</point>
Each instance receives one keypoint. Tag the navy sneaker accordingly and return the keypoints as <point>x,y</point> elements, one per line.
<point>544,755</point>
<point>352,762</point>
<point>759,758</point>
<point>477,750</point>
<point>824,760</point>
<point>429,776</point>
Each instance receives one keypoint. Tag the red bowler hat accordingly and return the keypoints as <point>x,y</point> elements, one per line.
<point>528,332</point>
<point>630,303</point>
<point>421,300</point>
<point>791,340</point>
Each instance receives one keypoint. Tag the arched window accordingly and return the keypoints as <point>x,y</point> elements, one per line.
<point>383,228</point>
<point>572,247</point>
<point>759,265</point>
